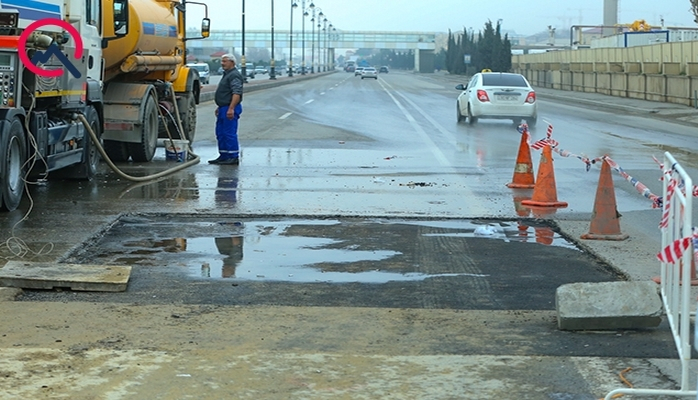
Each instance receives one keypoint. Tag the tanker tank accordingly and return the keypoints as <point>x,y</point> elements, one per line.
<point>151,44</point>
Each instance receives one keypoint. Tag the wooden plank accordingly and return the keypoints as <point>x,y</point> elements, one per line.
<point>43,275</point>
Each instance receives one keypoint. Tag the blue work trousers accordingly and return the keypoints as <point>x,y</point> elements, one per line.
<point>227,132</point>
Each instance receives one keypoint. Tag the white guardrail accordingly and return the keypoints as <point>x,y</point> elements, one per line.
<point>675,283</point>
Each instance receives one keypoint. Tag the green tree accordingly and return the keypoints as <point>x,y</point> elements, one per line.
<point>450,53</point>
<point>497,46</point>
<point>469,48</point>
<point>440,59</point>
<point>486,48</point>
<point>506,54</point>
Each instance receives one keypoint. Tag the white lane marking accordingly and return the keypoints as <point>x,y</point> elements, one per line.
<point>449,135</point>
<point>285,116</point>
<point>309,101</point>
<point>475,208</point>
<point>425,138</point>
<point>322,93</point>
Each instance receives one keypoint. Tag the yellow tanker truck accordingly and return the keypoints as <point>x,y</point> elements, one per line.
<point>142,65</point>
<point>116,66</point>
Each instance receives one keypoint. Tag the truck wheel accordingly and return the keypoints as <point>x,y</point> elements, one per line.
<point>187,113</point>
<point>117,151</point>
<point>87,169</point>
<point>13,158</point>
<point>145,149</point>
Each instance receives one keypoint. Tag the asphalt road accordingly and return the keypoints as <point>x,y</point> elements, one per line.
<point>343,177</point>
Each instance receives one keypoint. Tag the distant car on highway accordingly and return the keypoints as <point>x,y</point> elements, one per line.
<point>497,95</point>
<point>383,70</point>
<point>204,71</point>
<point>249,70</point>
<point>357,71</point>
<point>369,73</point>
<point>260,70</point>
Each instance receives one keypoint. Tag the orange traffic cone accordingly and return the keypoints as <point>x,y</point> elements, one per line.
<point>545,194</point>
<point>605,223</point>
<point>521,211</point>
<point>523,232</point>
<point>523,170</point>
<point>544,235</point>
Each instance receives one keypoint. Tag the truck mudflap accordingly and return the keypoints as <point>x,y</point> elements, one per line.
<point>123,111</point>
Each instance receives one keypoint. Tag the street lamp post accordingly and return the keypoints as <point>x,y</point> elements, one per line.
<point>312,42</point>
<point>290,41</point>
<point>312,38</point>
<point>272,63</point>
<point>320,60</point>
<point>319,51</point>
<point>327,46</point>
<point>324,34</point>
<point>336,37</point>
<point>305,14</point>
<point>242,59</point>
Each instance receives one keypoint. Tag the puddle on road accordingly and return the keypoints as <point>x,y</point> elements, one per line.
<point>322,250</point>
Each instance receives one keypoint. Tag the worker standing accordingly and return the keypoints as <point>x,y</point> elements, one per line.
<point>229,107</point>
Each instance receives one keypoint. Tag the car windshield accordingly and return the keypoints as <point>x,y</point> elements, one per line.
<point>369,69</point>
<point>199,68</point>
<point>503,80</point>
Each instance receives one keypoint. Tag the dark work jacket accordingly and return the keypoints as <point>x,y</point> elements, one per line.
<point>230,84</point>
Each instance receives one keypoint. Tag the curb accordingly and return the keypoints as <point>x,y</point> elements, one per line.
<point>208,95</point>
<point>688,117</point>
<point>597,103</point>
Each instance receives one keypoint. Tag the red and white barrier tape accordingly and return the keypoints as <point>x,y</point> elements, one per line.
<point>673,252</point>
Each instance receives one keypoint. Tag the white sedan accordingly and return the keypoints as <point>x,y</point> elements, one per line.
<point>369,73</point>
<point>497,95</point>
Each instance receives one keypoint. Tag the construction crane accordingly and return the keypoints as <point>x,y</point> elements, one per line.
<point>639,25</point>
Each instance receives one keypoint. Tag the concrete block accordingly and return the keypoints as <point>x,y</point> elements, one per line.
<point>608,305</point>
<point>37,275</point>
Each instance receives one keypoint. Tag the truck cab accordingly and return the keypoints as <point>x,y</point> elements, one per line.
<point>75,78</point>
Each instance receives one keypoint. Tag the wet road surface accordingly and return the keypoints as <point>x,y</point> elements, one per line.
<point>375,186</point>
<point>456,264</point>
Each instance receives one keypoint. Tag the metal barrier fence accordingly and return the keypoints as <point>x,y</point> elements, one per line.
<point>675,274</point>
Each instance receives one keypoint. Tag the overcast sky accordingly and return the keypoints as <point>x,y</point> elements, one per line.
<point>522,16</point>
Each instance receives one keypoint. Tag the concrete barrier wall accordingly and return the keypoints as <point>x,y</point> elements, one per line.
<point>666,72</point>
<point>209,92</point>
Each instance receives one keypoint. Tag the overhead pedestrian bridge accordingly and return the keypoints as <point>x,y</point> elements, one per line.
<point>319,44</point>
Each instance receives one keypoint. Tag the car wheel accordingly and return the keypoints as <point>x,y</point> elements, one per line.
<point>459,115</point>
<point>362,78</point>
<point>471,119</point>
